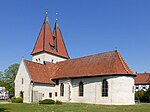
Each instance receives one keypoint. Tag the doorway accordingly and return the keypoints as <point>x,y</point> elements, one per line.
<point>21,94</point>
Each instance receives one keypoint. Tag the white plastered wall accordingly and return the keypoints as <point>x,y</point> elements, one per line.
<point>45,89</point>
<point>123,90</point>
<point>41,57</point>
<point>26,87</point>
<point>120,92</point>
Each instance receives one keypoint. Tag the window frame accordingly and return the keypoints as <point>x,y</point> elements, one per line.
<point>104,88</point>
<point>81,89</point>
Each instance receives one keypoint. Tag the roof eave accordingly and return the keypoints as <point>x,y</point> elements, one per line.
<point>100,75</point>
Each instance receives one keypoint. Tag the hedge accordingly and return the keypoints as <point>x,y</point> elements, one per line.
<point>47,101</point>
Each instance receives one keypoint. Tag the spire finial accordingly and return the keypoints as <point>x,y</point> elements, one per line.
<point>46,17</point>
<point>56,20</point>
<point>56,16</point>
<point>46,12</point>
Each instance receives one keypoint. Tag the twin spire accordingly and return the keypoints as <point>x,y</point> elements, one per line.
<point>49,42</point>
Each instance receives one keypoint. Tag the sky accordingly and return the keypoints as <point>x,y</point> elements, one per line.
<point>88,27</point>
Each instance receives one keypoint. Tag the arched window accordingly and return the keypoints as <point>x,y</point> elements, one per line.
<point>104,88</point>
<point>81,88</point>
<point>61,89</point>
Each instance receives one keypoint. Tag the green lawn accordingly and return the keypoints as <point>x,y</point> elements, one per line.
<point>72,107</point>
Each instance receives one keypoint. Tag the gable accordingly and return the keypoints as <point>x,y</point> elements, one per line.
<point>22,73</point>
<point>39,72</point>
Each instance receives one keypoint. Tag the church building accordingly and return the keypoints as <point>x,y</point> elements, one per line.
<point>103,78</point>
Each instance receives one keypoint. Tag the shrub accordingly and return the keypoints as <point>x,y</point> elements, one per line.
<point>143,96</point>
<point>147,96</point>
<point>16,100</point>
<point>19,100</point>
<point>13,99</point>
<point>47,101</point>
<point>58,102</point>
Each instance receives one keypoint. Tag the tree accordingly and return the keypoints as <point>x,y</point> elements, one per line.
<point>140,95</point>
<point>9,77</point>
<point>1,79</point>
<point>147,95</point>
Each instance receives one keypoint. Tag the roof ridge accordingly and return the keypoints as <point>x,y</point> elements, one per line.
<point>122,62</point>
<point>143,73</point>
<point>87,56</point>
<point>33,62</point>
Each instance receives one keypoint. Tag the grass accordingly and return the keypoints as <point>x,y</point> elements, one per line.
<point>73,107</point>
<point>4,100</point>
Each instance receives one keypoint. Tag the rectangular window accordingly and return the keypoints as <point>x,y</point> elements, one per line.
<point>22,80</point>
<point>56,94</point>
<point>137,87</point>
<point>50,95</point>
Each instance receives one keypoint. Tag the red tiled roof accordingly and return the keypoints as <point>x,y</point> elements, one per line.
<point>109,63</point>
<point>39,72</point>
<point>60,42</point>
<point>46,40</point>
<point>142,78</point>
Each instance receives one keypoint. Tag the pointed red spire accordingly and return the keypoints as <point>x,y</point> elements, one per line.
<point>50,43</point>
<point>59,42</point>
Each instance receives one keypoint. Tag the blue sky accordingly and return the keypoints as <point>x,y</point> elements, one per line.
<point>88,27</point>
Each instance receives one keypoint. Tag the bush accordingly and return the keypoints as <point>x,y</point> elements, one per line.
<point>58,102</point>
<point>16,100</point>
<point>47,101</point>
<point>147,96</point>
<point>140,95</point>
<point>13,99</point>
<point>143,96</point>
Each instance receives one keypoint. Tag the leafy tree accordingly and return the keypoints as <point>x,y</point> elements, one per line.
<point>1,79</point>
<point>147,95</point>
<point>9,77</point>
<point>140,95</point>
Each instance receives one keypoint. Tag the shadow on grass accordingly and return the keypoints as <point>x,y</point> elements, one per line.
<point>4,110</point>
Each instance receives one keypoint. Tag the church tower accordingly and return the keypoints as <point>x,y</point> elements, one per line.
<point>49,46</point>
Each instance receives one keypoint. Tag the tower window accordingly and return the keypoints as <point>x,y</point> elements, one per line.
<point>81,88</point>
<point>104,88</point>
<point>36,59</point>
